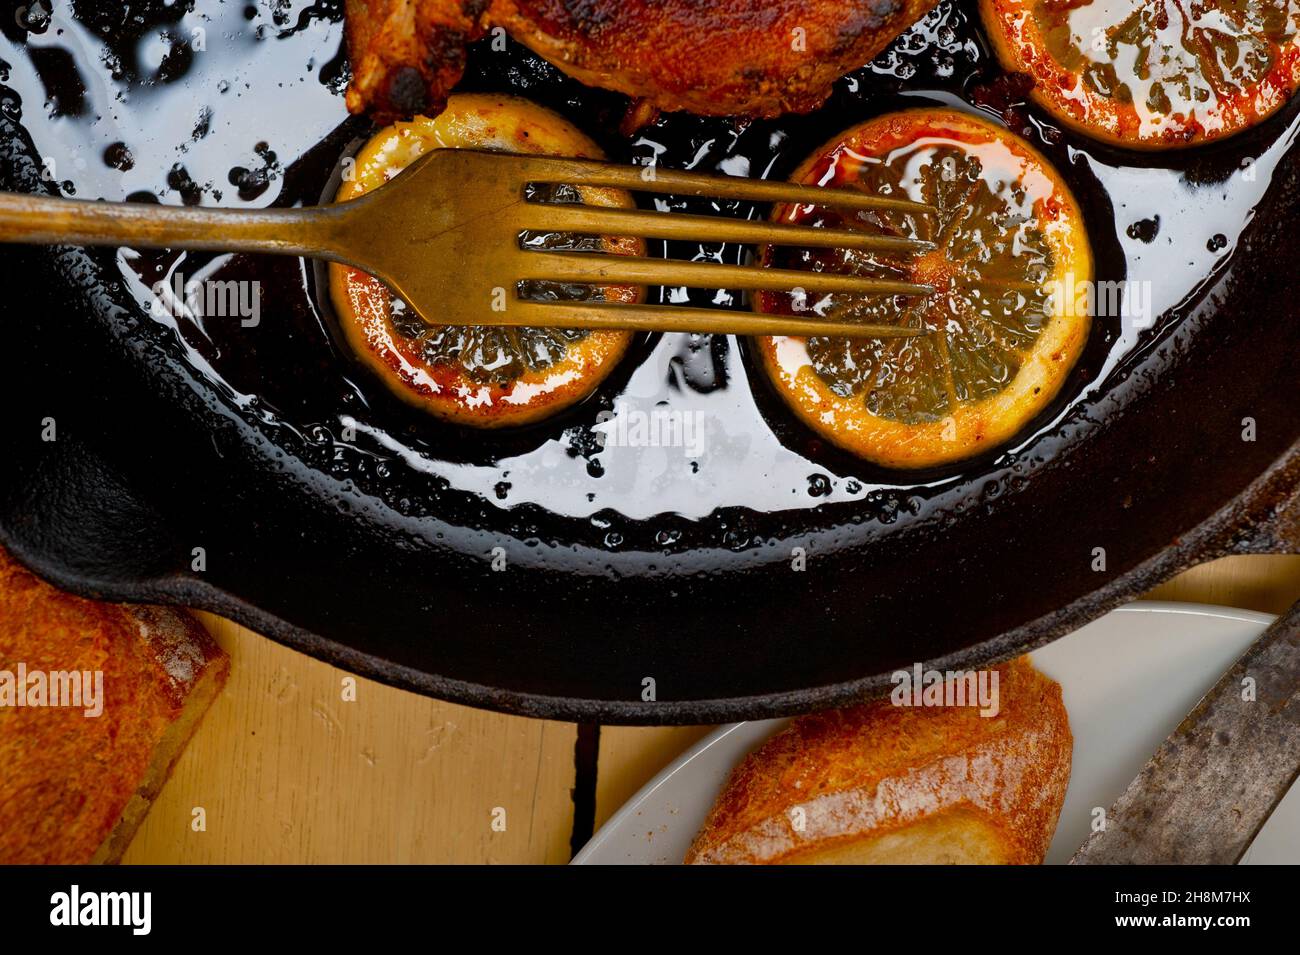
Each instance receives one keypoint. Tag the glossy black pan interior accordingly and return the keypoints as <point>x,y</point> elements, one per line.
<point>389,572</point>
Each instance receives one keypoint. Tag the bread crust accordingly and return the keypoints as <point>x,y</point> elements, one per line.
<point>878,769</point>
<point>74,788</point>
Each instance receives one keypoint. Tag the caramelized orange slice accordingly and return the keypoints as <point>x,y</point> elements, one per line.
<point>1152,73</point>
<point>482,376</point>
<point>1008,316</point>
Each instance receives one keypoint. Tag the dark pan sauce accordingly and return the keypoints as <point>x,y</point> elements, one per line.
<point>240,105</point>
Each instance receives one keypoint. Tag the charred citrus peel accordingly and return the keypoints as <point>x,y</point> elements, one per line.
<point>481,376</point>
<point>1008,316</point>
<point>1155,73</point>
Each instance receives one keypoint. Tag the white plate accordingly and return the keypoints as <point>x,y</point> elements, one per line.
<point>1128,680</point>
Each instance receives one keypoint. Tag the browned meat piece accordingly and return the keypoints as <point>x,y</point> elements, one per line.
<point>408,54</point>
<point>728,57</point>
<point>725,58</point>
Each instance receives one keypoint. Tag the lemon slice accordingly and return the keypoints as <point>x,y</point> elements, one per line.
<point>1152,74</point>
<point>1008,316</point>
<point>482,376</point>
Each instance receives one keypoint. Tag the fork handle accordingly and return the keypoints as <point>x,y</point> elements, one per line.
<point>41,220</point>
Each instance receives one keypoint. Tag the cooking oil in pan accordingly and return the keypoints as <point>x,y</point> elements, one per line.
<point>685,447</point>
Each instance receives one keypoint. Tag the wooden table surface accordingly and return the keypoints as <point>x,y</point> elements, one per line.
<point>289,772</point>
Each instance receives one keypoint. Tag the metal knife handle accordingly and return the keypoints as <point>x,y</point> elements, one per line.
<point>1205,794</point>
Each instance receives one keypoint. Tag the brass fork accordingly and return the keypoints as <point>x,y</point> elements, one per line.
<point>445,236</point>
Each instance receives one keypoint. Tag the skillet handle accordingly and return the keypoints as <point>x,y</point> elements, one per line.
<point>1275,532</point>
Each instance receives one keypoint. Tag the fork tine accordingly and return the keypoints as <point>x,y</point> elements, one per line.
<point>594,268</point>
<point>674,318</point>
<point>587,172</point>
<point>598,220</point>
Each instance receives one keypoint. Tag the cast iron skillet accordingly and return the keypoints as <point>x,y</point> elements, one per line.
<point>152,459</point>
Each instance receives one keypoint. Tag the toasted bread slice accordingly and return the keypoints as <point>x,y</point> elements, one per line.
<point>75,787</point>
<point>880,784</point>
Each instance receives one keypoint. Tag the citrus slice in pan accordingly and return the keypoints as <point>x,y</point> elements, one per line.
<point>482,376</point>
<point>1152,73</point>
<point>1008,317</point>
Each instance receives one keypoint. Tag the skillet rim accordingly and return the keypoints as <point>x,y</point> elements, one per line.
<point>1242,525</point>
<point>1248,524</point>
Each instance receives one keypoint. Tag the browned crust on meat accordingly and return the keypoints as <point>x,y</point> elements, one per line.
<point>726,58</point>
<point>407,55</point>
<point>874,769</point>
